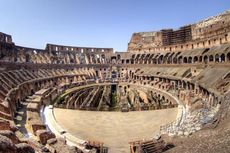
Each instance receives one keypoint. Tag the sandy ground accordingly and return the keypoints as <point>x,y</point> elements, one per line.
<point>115,129</point>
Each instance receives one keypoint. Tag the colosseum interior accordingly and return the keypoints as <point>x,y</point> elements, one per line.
<point>169,92</point>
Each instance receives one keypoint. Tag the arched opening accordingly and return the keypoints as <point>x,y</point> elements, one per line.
<point>205,59</point>
<point>113,59</point>
<point>180,60</point>
<point>27,58</point>
<point>165,58</point>
<point>103,58</point>
<point>222,58</point>
<point>154,61</point>
<point>170,60</point>
<point>118,56</point>
<point>185,60</point>
<point>174,60</point>
<point>160,59</point>
<point>132,61</point>
<point>217,58</point>
<point>211,58</point>
<point>228,56</point>
<point>145,61</point>
<point>190,59</point>
<point>195,59</point>
<point>184,85</point>
<point>150,59</point>
<point>133,56</point>
<point>32,91</point>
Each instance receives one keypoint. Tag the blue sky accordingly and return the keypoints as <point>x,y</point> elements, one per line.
<point>97,23</point>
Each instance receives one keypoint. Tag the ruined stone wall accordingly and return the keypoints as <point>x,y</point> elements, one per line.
<point>5,38</point>
<point>212,26</point>
<point>54,47</point>
<point>206,33</point>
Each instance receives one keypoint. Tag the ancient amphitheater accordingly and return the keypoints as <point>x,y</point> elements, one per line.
<point>169,92</point>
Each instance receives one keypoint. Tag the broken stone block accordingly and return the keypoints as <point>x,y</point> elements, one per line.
<point>44,136</point>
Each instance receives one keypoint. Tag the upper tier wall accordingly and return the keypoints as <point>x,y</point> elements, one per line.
<point>206,33</point>
<point>213,55</point>
<point>53,47</point>
<point>5,38</point>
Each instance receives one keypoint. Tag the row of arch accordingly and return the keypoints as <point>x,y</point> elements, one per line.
<point>29,88</point>
<point>176,58</point>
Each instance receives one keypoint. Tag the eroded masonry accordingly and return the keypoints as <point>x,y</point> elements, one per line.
<point>187,68</point>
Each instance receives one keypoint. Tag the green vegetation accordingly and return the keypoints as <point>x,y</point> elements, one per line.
<point>58,99</point>
<point>114,99</point>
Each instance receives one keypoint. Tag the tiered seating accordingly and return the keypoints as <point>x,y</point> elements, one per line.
<point>11,80</point>
<point>197,88</point>
<point>205,77</point>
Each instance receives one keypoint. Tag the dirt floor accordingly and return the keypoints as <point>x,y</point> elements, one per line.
<point>115,129</point>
